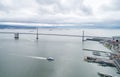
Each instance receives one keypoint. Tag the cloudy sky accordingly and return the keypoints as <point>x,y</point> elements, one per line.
<point>60,11</point>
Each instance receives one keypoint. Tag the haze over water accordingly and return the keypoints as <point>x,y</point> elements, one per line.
<point>26,57</point>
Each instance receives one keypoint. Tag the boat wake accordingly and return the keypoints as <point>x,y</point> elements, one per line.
<point>33,57</point>
<point>36,57</point>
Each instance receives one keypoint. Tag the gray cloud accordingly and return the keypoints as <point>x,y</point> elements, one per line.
<point>46,2</point>
<point>65,6</point>
<point>113,6</point>
<point>58,11</point>
<point>116,5</point>
<point>4,8</point>
<point>86,10</point>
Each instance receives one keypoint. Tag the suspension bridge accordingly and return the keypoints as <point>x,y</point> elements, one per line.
<point>16,35</point>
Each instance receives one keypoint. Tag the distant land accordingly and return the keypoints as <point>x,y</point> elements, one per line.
<point>16,27</point>
<point>75,27</point>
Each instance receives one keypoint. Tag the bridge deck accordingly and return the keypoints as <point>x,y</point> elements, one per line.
<point>52,34</point>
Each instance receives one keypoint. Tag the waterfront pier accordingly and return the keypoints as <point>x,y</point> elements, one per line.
<point>117,64</point>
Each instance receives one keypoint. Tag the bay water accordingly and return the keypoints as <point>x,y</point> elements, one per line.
<point>27,57</point>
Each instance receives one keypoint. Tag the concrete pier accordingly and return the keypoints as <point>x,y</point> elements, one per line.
<point>16,35</point>
<point>37,34</point>
<point>83,36</point>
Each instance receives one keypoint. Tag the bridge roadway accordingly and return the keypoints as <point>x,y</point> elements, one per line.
<point>52,34</point>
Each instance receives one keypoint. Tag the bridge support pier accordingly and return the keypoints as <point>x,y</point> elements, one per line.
<point>16,35</point>
<point>37,37</point>
<point>83,36</point>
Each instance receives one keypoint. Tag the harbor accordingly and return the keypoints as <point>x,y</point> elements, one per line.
<point>114,56</point>
<point>114,46</point>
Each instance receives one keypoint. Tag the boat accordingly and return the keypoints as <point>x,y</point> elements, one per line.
<point>96,53</point>
<point>90,59</point>
<point>50,59</point>
<point>104,75</point>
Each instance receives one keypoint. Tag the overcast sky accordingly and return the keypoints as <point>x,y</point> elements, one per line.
<point>60,11</point>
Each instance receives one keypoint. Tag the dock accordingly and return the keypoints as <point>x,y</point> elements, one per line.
<point>96,50</point>
<point>101,61</point>
<point>104,75</point>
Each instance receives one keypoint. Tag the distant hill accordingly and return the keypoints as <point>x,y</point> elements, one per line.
<point>25,27</point>
<point>74,27</point>
<point>16,27</point>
